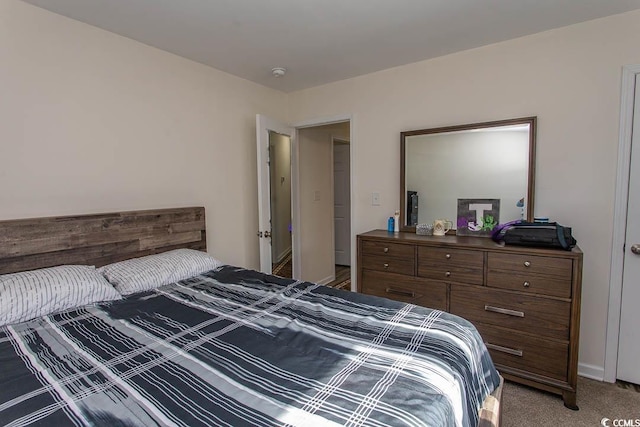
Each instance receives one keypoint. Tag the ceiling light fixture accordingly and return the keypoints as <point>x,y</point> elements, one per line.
<point>278,71</point>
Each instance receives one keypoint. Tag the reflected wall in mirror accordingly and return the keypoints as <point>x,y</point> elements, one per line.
<point>491,160</point>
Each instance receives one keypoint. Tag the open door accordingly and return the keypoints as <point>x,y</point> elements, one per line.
<point>628,344</point>
<point>265,130</point>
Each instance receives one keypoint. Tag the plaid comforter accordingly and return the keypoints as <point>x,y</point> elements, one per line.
<point>236,347</point>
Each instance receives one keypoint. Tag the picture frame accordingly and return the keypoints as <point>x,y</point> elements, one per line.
<point>477,217</point>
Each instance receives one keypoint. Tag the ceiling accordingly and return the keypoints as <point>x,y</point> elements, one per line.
<point>322,41</point>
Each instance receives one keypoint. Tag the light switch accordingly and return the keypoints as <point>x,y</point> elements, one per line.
<point>375,199</point>
<point>316,195</point>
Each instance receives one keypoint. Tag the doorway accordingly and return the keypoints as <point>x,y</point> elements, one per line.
<point>342,212</point>
<point>323,227</point>
<point>312,223</point>
<point>622,350</point>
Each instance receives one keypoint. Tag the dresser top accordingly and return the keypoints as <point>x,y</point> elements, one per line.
<point>466,242</point>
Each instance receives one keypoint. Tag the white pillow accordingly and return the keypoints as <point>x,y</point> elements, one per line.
<point>152,271</point>
<point>30,294</point>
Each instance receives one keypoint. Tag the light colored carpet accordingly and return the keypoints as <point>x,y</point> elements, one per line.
<point>524,406</point>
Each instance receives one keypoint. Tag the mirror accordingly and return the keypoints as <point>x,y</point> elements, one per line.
<point>492,160</point>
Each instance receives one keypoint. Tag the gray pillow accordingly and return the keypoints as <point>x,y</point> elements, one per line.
<point>30,294</point>
<point>152,271</point>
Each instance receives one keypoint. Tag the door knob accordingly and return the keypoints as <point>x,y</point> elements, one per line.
<point>635,249</point>
<point>267,234</point>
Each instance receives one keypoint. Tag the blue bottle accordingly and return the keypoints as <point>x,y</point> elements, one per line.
<point>390,224</point>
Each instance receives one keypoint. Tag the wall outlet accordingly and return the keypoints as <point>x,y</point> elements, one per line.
<point>375,199</point>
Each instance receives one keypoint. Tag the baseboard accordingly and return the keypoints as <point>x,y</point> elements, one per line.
<point>591,371</point>
<point>281,256</point>
<point>326,280</point>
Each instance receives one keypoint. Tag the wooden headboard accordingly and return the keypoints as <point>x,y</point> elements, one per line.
<point>98,239</point>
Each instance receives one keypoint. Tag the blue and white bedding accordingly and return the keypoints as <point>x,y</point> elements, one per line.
<point>234,347</point>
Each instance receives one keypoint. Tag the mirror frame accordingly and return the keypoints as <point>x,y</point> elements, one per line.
<point>531,121</point>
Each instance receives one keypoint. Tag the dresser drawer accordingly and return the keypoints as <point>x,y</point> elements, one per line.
<point>530,273</point>
<point>390,257</point>
<point>408,289</point>
<point>451,264</point>
<point>541,316</point>
<point>531,329</point>
<point>532,354</point>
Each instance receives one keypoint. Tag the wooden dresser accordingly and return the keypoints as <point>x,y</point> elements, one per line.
<point>525,302</point>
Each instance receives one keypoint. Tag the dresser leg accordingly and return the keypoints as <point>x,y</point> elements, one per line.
<point>569,398</point>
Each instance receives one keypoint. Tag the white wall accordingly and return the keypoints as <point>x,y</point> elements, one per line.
<point>316,205</point>
<point>94,122</point>
<point>569,78</point>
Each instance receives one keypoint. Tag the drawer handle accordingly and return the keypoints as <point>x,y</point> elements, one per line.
<point>447,256</point>
<point>385,250</point>
<point>504,311</point>
<point>527,264</point>
<point>448,273</point>
<point>385,265</point>
<point>402,292</point>
<point>526,284</point>
<point>507,350</point>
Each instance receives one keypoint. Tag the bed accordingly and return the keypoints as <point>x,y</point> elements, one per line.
<point>227,346</point>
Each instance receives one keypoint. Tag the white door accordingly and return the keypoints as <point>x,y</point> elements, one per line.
<point>264,126</point>
<point>629,344</point>
<point>342,203</point>
<point>280,188</point>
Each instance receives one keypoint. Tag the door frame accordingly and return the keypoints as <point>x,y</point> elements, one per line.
<point>629,73</point>
<point>295,185</point>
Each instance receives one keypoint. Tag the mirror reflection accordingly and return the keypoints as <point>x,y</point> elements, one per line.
<point>491,160</point>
